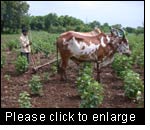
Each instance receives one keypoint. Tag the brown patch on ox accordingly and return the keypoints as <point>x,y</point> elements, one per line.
<point>100,53</point>
<point>105,41</point>
<point>82,40</point>
<point>65,47</point>
<point>86,39</point>
<point>95,32</point>
<point>105,51</point>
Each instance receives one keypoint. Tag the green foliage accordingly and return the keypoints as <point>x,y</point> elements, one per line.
<point>121,63</point>
<point>43,42</point>
<point>3,58</point>
<point>139,30</point>
<point>10,41</point>
<point>24,100</point>
<point>46,76</point>
<point>35,84</point>
<point>130,29</point>
<point>133,85</point>
<point>95,24</point>
<point>50,20</point>
<point>117,26</point>
<point>105,27</point>
<point>53,69</point>
<point>90,90</point>
<point>137,47</point>
<point>46,49</point>
<point>56,29</point>
<point>21,64</point>
<point>37,23</point>
<point>140,59</point>
<point>7,77</point>
<point>12,13</point>
<point>12,45</point>
<point>3,46</point>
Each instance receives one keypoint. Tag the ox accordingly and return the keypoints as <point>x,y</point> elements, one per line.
<point>95,32</point>
<point>99,48</point>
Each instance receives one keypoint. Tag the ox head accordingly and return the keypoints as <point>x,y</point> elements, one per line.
<point>121,41</point>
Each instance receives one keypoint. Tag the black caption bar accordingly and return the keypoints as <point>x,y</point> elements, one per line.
<point>77,116</point>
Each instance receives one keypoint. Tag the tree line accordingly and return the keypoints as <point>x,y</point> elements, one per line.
<point>14,16</point>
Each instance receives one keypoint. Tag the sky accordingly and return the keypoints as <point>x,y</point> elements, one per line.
<point>126,13</point>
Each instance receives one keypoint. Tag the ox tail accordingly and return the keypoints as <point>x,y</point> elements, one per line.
<point>57,57</point>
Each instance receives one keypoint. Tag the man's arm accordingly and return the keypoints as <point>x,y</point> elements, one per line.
<point>29,44</point>
<point>24,42</point>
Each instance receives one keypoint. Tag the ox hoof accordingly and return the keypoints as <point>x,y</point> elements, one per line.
<point>34,70</point>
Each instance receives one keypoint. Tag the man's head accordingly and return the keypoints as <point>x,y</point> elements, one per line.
<point>24,31</point>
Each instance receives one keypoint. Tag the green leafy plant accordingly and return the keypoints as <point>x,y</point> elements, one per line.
<point>7,77</point>
<point>140,59</point>
<point>24,100</point>
<point>53,69</point>
<point>137,47</point>
<point>35,85</point>
<point>13,44</point>
<point>133,85</point>
<point>3,47</point>
<point>121,63</point>
<point>46,49</point>
<point>46,76</point>
<point>91,91</point>
<point>44,42</point>
<point>3,58</point>
<point>21,64</point>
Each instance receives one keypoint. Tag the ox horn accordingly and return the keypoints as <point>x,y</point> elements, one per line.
<point>122,32</point>
<point>114,31</point>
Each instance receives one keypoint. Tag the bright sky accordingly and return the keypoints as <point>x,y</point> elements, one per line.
<point>126,13</point>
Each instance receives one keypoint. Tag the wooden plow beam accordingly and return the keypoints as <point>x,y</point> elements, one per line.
<point>35,69</point>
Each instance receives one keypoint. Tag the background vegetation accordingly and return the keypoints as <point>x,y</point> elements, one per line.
<point>14,16</point>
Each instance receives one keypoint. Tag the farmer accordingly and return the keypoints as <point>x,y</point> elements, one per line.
<point>25,44</point>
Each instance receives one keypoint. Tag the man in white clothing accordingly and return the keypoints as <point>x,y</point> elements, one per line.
<point>25,44</point>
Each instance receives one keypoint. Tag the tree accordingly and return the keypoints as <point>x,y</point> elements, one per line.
<point>3,12</point>
<point>69,21</point>
<point>25,21</point>
<point>139,30</point>
<point>117,26</point>
<point>95,24</point>
<point>37,23</point>
<point>105,27</point>
<point>11,14</point>
<point>51,20</point>
<point>130,29</point>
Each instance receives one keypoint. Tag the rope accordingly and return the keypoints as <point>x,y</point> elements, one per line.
<point>57,57</point>
<point>30,35</point>
<point>32,58</point>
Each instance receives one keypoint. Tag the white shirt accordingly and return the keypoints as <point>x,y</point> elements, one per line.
<point>24,40</point>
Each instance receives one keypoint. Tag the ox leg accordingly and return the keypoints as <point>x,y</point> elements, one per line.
<point>63,73</point>
<point>63,67</point>
<point>98,73</point>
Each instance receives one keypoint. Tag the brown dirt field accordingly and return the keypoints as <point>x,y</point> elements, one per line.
<point>59,94</point>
